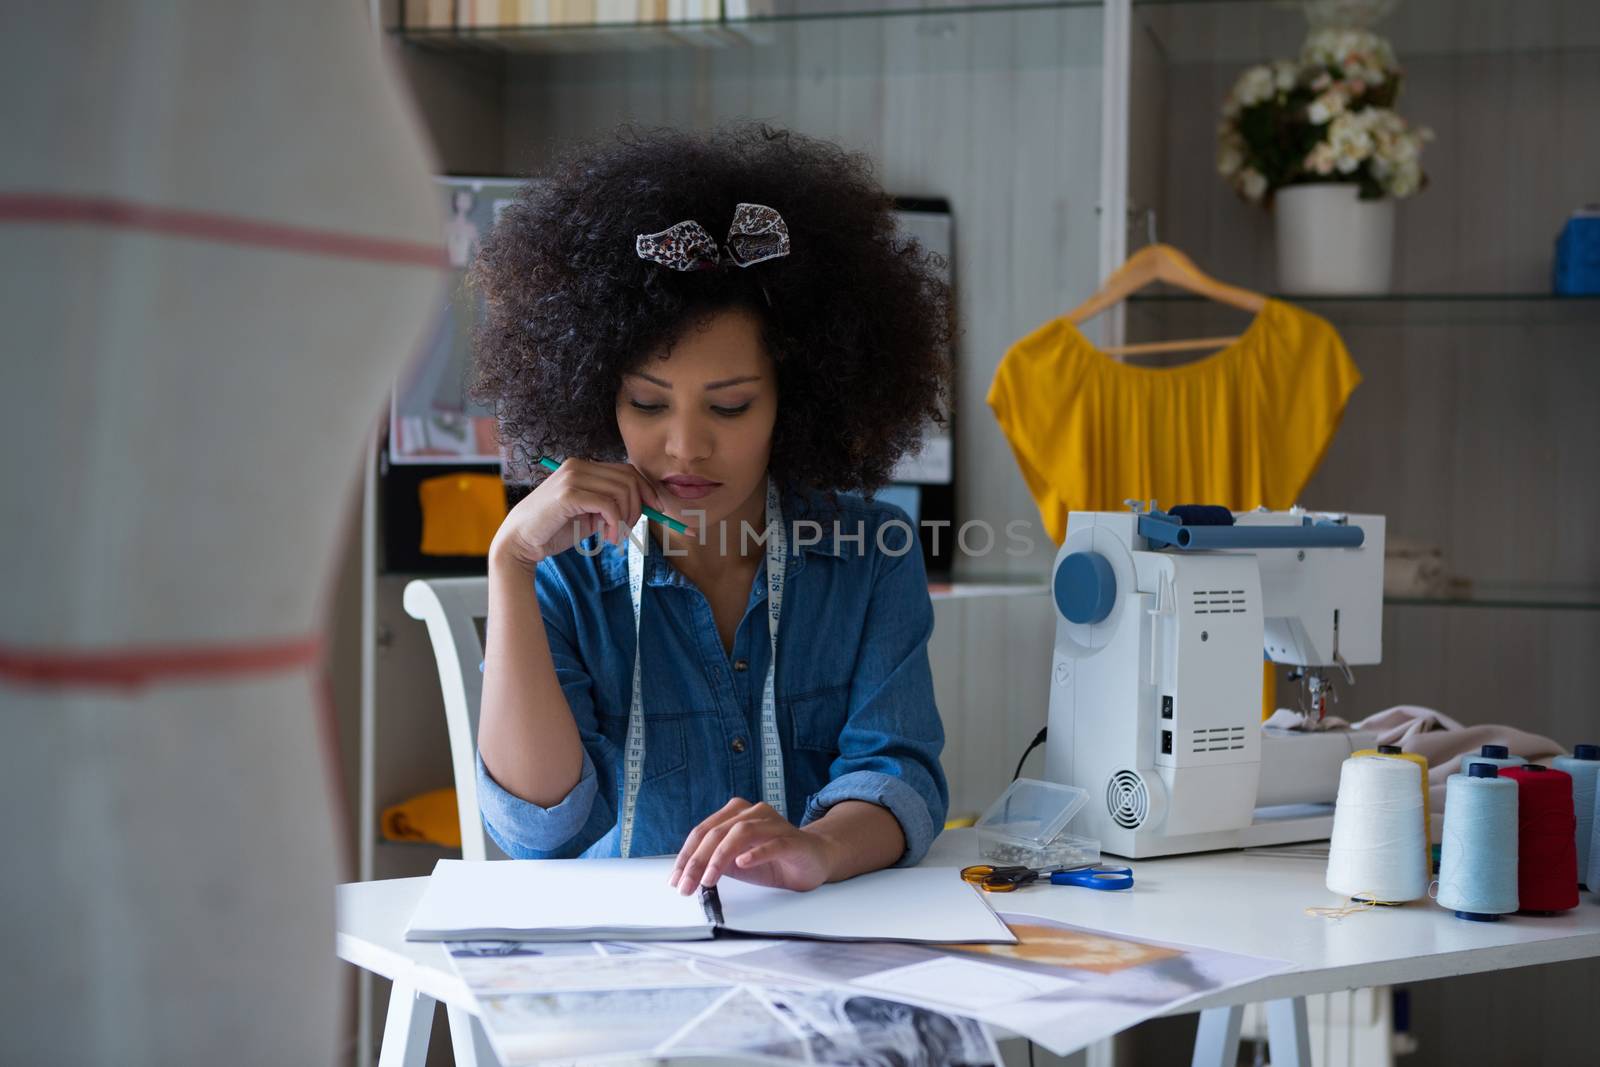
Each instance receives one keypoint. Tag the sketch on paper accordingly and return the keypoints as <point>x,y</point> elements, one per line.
<point>432,419</point>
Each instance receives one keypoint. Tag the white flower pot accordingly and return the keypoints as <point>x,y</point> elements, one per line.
<point>1331,241</point>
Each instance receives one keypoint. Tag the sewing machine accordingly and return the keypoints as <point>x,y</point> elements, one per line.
<point>1155,695</point>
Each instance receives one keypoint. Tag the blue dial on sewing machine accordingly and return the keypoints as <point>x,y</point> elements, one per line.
<point>1085,587</point>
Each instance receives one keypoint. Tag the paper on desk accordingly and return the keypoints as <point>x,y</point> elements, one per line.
<point>917,904</point>
<point>563,900</point>
<point>555,900</point>
<point>544,1003</point>
<point>1062,986</point>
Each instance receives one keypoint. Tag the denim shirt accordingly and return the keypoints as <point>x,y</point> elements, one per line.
<point>855,707</point>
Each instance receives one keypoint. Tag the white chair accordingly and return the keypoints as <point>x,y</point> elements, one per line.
<point>453,609</point>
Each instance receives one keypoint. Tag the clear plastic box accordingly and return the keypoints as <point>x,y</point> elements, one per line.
<point>1026,827</point>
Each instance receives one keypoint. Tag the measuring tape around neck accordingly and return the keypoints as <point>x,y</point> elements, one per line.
<point>772,787</point>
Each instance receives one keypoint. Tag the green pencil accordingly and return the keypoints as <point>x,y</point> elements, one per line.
<point>650,513</point>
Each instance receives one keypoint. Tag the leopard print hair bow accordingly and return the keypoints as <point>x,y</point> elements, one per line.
<point>758,234</point>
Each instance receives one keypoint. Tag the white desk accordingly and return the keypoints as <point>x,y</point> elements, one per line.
<point>1234,901</point>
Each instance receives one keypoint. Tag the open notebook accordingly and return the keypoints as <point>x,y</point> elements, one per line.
<point>629,900</point>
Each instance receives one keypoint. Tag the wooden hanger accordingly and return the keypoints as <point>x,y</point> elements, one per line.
<point>1164,263</point>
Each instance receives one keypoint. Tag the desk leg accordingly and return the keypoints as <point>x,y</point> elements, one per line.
<point>407,1027</point>
<point>468,1041</point>
<point>1216,1043</point>
<point>1102,1053</point>
<point>1288,1036</point>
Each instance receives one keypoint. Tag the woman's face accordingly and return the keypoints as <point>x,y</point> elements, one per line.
<point>697,420</point>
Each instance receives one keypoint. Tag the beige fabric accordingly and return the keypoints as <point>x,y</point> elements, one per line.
<point>1443,742</point>
<point>1433,735</point>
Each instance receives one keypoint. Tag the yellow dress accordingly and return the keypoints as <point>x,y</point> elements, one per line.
<point>1242,428</point>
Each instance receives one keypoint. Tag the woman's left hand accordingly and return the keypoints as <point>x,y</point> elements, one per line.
<point>753,843</point>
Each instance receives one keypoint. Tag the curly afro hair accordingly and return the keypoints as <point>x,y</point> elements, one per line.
<point>856,318</point>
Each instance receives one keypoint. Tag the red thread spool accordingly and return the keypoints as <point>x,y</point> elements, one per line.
<point>1547,852</point>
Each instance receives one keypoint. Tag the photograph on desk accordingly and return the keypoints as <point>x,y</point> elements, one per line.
<point>1062,986</point>
<point>616,1000</point>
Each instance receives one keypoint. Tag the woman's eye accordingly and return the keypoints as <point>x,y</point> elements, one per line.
<point>649,409</point>
<point>740,410</point>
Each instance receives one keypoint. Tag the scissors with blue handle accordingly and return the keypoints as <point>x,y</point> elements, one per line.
<point>1107,878</point>
<point>994,879</point>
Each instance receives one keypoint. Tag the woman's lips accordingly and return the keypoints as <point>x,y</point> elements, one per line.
<point>690,488</point>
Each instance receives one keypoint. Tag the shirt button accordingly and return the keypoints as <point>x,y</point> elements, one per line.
<point>738,744</point>
<point>741,664</point>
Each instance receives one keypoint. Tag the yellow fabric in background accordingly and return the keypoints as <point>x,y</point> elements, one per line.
<point>461,513</point>
<point>1244,427</point>
<point>428,817</point>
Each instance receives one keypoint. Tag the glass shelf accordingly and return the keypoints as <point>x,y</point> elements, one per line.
<point>1249,31</point>
<point>1577,315</point>
<point>1503,595</point>
<point>1590,302</point>
<point>706,33</point>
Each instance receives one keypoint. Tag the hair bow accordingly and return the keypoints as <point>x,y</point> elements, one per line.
<point>758,234</point>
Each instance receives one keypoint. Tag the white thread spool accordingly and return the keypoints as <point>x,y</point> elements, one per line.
<point>1478,853</point>
<point>1377,832</point>
<point>1584,766</point>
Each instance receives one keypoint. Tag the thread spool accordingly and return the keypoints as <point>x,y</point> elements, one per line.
<point>1499,755</point>
<point>1584,766</point>
<point>1547,854</point>
<point>1478,852</point>
<point>1594,846</point>
<point>1421,763</point>
<point>1377,832</point>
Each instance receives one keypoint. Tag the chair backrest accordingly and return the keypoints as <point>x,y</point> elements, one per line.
<point>452,608</point>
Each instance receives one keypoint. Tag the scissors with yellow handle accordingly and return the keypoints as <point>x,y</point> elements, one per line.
<point>992,879</point>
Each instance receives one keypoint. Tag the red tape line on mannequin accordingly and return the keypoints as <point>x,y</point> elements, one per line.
<point>136,668</point>
<point>28,207</point>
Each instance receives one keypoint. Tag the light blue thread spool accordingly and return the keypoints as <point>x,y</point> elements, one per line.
<point>1584,766</point>
<point>1478,853</point>
<point>1594,849</point>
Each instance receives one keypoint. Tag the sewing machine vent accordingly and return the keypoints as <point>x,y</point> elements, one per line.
<point>1217,739</point>
<point>1219,602</point>
<point>1127,799</point>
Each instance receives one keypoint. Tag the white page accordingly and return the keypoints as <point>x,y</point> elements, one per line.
<point>967,985</point>
<point>503,898</point>
<point>898,904</point>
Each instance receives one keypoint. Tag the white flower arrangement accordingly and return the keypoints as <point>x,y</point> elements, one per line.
<point>1328,117</point>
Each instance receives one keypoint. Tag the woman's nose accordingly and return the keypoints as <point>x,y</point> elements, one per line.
<point>689,439</point>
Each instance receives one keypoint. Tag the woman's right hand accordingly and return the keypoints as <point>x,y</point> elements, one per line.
<point>571,504</point>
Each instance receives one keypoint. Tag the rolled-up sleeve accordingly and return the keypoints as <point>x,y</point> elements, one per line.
<point>890,745</point>
<point>525,830</point>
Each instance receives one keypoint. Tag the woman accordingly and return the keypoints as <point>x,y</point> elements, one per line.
<point>725,329</point>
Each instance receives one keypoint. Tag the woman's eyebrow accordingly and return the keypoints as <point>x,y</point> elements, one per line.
<point>723,384</point>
